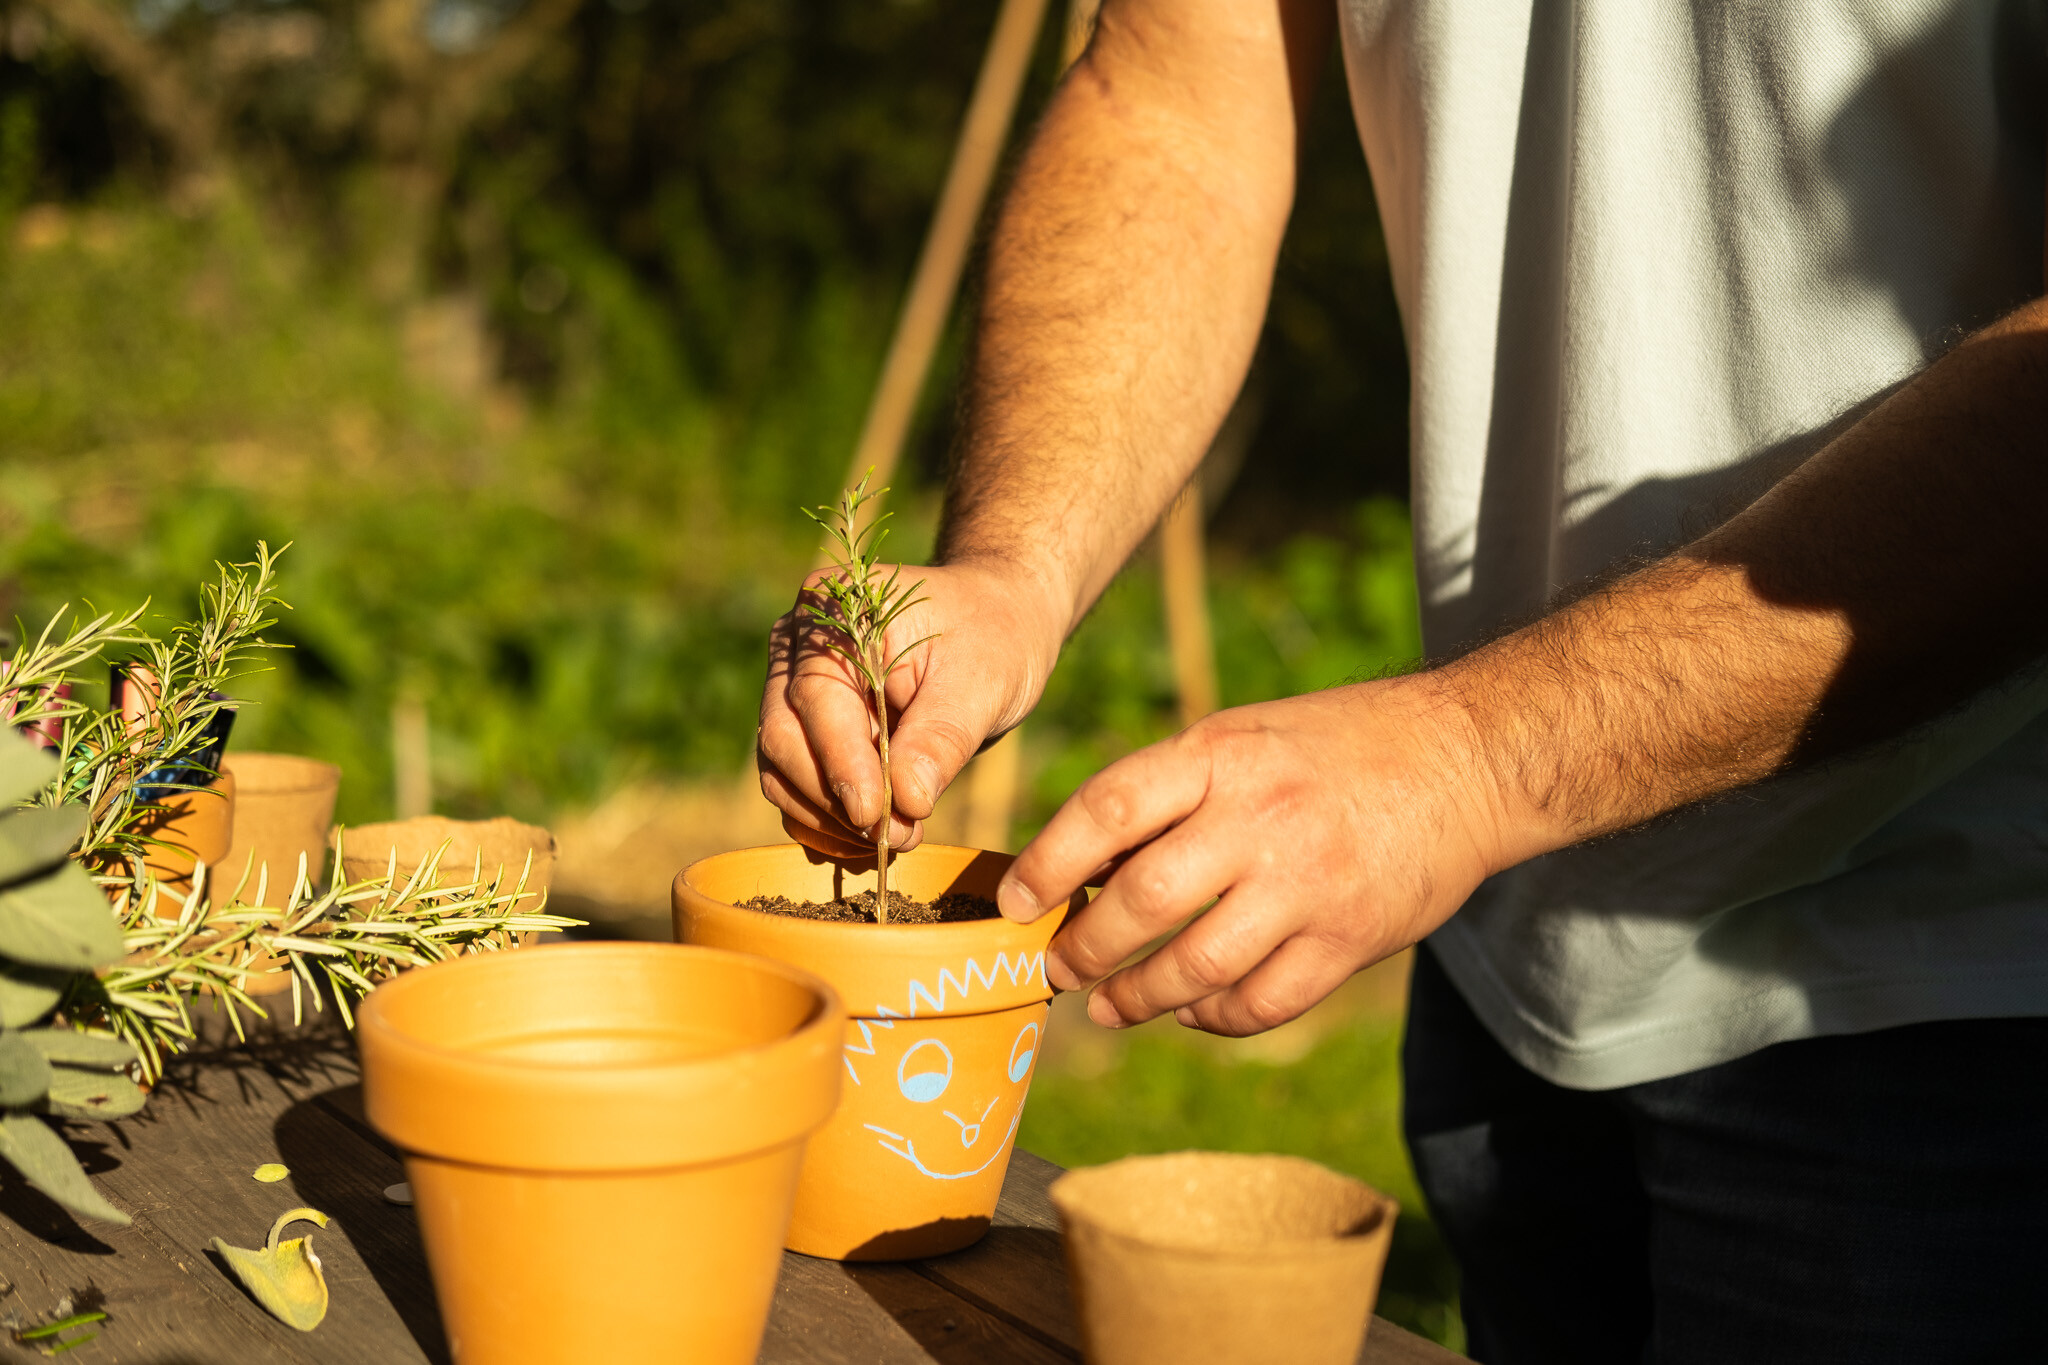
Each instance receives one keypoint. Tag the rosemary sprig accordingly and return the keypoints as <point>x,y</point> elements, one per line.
<point>859,605</point>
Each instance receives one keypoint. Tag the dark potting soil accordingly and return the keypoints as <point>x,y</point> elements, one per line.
<point>860,909</point>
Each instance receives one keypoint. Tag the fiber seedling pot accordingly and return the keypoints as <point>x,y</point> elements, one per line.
<point>603,1142</point>
<point>1249,1260</point>
<point>501,843</point>
<point>946,1025</point>
<point>284,809</point>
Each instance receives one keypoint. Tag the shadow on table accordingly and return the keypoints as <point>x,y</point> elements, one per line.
<point>327,1157</point>
<point>42,1217</point>
<point>1013,1276</point>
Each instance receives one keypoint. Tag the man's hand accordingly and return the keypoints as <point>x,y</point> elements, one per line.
<point>1337,828</point>
<point>998,635</point>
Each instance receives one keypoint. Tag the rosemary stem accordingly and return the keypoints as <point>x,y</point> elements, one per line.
<point>888,805</point>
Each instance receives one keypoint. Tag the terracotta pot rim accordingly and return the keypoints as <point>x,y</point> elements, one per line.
<point>880,970</point>
<point>907,933</point>
<point>680,1127</point>
<point>820,1018</point>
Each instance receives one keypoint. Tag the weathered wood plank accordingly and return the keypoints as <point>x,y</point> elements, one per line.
<point>827,1313</point>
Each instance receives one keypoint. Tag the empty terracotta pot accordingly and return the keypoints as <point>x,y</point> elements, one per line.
<point>603,1142</point>
<point>501,843</point>
<point>947,1023</point>
<point>1250,1260</point>
<point>189,827</point>
<point>284,810</point>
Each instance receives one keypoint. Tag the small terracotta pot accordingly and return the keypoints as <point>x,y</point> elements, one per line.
<point>284,808</point>
<point>1211,1256</point>
<point>947,1023</point>
<point>501,843</point>
<point>603,1142</point>
<point>192,827</point>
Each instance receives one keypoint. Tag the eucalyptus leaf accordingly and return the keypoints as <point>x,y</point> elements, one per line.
<point>80,1049</point>
<point>60,920</point>
<point>285,1276</point>
<point>37,838</point>
<point>25,769</point>
<point>24,1075</point>
<point>33,1148</point>
<point>28,993</point>
<point>101,1095</point>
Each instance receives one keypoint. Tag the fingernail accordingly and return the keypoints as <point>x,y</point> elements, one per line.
<point>1185,1017</point>
<point>847,792</point>
<point>1018,905</point>
<point>1102,1012</point>
<point>1058,974</point>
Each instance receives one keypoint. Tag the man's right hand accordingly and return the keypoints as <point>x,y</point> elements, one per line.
<point>997,634</point>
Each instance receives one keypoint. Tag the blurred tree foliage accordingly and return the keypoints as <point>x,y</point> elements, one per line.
<point>532,323</point>
<point>756,172</point>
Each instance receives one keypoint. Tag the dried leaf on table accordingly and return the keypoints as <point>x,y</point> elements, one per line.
<point>284,1276</point>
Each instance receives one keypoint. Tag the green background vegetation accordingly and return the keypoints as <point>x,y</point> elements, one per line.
<point>542,472</point>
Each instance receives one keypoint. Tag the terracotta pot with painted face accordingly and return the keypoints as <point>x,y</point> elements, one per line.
<point>945,1024</point>
<point>603,1142</point>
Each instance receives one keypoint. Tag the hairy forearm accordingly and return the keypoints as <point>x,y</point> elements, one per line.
<point>1896,573</point>
<point>1126,282</point>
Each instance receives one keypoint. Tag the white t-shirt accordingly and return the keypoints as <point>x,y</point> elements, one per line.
<point>1649,255</point>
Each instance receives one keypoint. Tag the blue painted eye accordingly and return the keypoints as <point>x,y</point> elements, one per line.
<point>917,1076</point>
<point>1022,1051</point>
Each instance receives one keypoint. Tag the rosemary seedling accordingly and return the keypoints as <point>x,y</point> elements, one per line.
<point>859,604</point>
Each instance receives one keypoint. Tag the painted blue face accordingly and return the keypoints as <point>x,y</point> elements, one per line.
<point>948,1126</point>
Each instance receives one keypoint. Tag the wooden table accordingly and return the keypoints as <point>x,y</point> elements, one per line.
<point>182,1169</point>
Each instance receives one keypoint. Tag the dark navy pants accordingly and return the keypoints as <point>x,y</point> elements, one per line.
<point>1867,1199</point>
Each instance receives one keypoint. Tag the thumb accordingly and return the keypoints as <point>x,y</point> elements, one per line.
<point>940,729</point>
